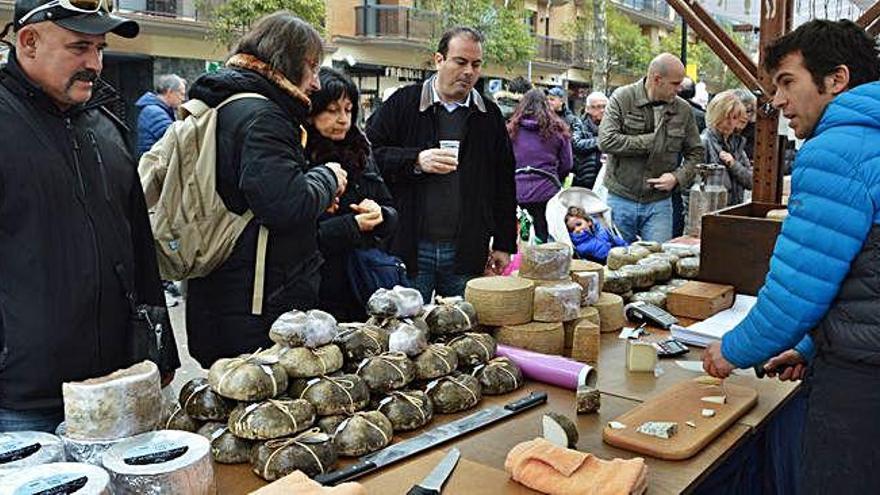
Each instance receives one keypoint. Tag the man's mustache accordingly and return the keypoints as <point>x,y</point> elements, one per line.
<point>83,75</point>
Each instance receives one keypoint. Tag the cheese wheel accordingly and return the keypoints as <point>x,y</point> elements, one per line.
<point>589,266</point>
<point>501,300</point>
<point>557,302</point>
<point>58,477</point>
<point>688,268</point>
<point>639,252</point>
<point>662,268</point>
<point>619,257</point>
<point>23,449</point>
<point>586,314</point>
<point>617,282</point>
<point>551,261</point>
<point>641,276</point>
<point>546,338</point>
<point>166,461</point>
<point>121,404</point>
<point>86,451</point>
<point>610,307</point>
<point>654,297</point>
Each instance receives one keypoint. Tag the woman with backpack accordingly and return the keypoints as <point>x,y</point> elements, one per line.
<point>542,146</point>
<point>261,167</point>
<point>363,217</point>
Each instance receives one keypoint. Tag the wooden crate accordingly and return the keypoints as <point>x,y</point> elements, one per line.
<point>699,300</point>
<point>736,245</point>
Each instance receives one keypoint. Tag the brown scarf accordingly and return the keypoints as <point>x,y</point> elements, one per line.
<point>245,61</point>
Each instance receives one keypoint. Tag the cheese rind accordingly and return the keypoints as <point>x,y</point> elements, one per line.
<point>550,261</point>
<point>557,302</point>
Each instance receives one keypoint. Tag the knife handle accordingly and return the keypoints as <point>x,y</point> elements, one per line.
<point>531,400</point>
<point>335,477</point>
<point>420,490</point>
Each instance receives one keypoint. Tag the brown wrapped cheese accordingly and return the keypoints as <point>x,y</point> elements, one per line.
<point>253,377</point>
<point>473,348</point>
<point>619,257</point>
<point>436,361</point>
<point>451,315</point>
<point>387,372</point>
<point>226,448</point>
<point>359,341</point>
<point>311,452</point>
<point>498,376</point>
<point>688,267</point>
<point>305,362</point>
<point>271,419</point>
<point>617,282</point>
<point>332,395</point>
<point>201,403</point>
<point>407,410</point>
<point>656,298</point>
<point>662,269</point>
<point>454,393</point>
<point>362,433</point>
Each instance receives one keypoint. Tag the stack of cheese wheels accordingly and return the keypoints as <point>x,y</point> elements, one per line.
<point>610,307</point>
<point>551,261</point>
<point>544,337</point>
<point>501,300</point>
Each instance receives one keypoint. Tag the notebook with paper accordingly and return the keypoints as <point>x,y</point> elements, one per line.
<point>711,329</point>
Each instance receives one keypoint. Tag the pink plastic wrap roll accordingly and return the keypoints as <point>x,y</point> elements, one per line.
<point>545,368</point>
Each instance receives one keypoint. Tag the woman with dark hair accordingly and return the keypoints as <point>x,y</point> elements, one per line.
<point>262,169</point>
<point>363,216</point>
<point>542,146</point>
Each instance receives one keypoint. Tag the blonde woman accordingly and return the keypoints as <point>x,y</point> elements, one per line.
<point>725,147</point>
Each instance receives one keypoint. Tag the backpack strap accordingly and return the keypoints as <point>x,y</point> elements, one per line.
<point>260,271</point>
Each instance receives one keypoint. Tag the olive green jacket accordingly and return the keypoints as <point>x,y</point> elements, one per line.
<point>640,149</point>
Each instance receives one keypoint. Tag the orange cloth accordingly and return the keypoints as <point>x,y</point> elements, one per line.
<point>545,467</point>
<point>300,484</point>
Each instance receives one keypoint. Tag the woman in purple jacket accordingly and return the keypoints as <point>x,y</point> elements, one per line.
<point>542,146</point>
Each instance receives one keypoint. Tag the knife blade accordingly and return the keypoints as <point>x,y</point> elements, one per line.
<point>433,483</point>
<point>430,439</point>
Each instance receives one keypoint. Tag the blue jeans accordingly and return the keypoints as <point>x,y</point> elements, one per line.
<point>32,420</point>
<point>649,221</point>
<point>437,271</point>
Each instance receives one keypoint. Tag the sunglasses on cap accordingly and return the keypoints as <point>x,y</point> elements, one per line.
<point>78,6</point>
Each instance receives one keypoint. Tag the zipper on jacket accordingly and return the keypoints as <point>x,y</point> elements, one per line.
<point>92,230</point>
<point>101,167</point>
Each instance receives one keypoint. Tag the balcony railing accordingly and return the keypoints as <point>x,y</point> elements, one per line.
<point>553,50</point>
<point>392,21</point>
<point>175,9</point>
<point>654,8</point>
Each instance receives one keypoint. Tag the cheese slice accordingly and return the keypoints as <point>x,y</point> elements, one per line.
<point>715,399</point>
<point>640,356</point>
<point>659,429</point>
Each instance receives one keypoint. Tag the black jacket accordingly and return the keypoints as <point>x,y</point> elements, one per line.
<point>260,167</point>
<point>338,233</point>
<point>587,156</point>
<point>404,126</point>
<point>71,212</point>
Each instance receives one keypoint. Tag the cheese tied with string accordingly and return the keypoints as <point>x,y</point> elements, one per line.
<point>454,393</point>
<point>202,403</point>
<point>305,362</point>
<point>311,452</point>
<point>399,302</point>
<point>362,433</point>
<point>272,418</point>
<point>179,420</point>
<point>226,448</point>
<point>451,315</point>
<point>436,361</point>
<point>28,448</point>
<point>163,461</point>
<point>333,395</point>
<point>407,338</point>
<point>407,410</point>
<point>310,329</point>
<point>499,376</point>
<point>57,477</point>
<point>252,377</point>
<point>358,341</point>
<point>473,348</point>
<point>387,372</point>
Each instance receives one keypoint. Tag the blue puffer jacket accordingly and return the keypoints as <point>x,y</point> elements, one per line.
<point>154,118</point>
<point>835,201</point>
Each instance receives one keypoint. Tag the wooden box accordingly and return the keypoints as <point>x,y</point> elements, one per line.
<point>699,300</point>
<point>736,245</point>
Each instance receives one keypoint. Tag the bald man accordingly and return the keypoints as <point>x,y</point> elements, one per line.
<point>645,128</point>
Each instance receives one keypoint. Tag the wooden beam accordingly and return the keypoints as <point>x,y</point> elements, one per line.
<point>869,16</point>
<point>767,177</point>
<point>748,78</point>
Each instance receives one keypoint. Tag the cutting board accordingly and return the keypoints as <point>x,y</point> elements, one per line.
<point>464,480</point>
<point>681,403</point>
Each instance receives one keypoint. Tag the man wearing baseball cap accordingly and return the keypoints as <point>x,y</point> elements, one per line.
<point>76,251</point>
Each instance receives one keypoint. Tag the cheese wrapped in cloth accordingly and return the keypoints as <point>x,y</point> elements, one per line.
<point>547,468</point>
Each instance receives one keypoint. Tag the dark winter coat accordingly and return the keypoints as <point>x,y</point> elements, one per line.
<point>588,160</point>
<point>406,125</point>
<point>338,233</point>
<point>154,119</point>
<point>260,167</point>
<point>71,211</point>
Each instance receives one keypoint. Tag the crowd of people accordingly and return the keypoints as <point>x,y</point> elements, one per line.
<point>433,182</point>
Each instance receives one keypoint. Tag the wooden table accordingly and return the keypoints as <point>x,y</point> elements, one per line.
<point>484,451</point>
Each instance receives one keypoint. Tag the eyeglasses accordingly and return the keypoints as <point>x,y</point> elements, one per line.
<point>80,6</point>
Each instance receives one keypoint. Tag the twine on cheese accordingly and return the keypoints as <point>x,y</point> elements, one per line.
<point>343,384</point>
<point>416,402</point>
<point>314,435</point>
<point>193,394</point>
<point>441,351</point>
<point>462,385</point>
<point>374,425</point>
<point>254,359</point>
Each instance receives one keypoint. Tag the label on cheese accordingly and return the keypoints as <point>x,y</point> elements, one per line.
<point>154,453</point>
<point>59,483</point>
<point>16,450</point>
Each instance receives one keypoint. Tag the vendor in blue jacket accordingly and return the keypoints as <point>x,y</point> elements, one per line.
<point>822,291</point>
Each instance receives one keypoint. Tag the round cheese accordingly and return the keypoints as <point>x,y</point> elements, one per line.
<point>165,461</point>
<point>87,451</point>
<point>551,261</point>
<point>557,302</point>
<point>641,276</point>
<point>688,268</point>
<point>501,300</point>
<point>619,257</point>
<point>21,449</point>
<point>546,338</point>
<point>58,477</point>
<point>610,307</point>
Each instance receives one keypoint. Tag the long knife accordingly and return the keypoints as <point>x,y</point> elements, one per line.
<point>431,438</point>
